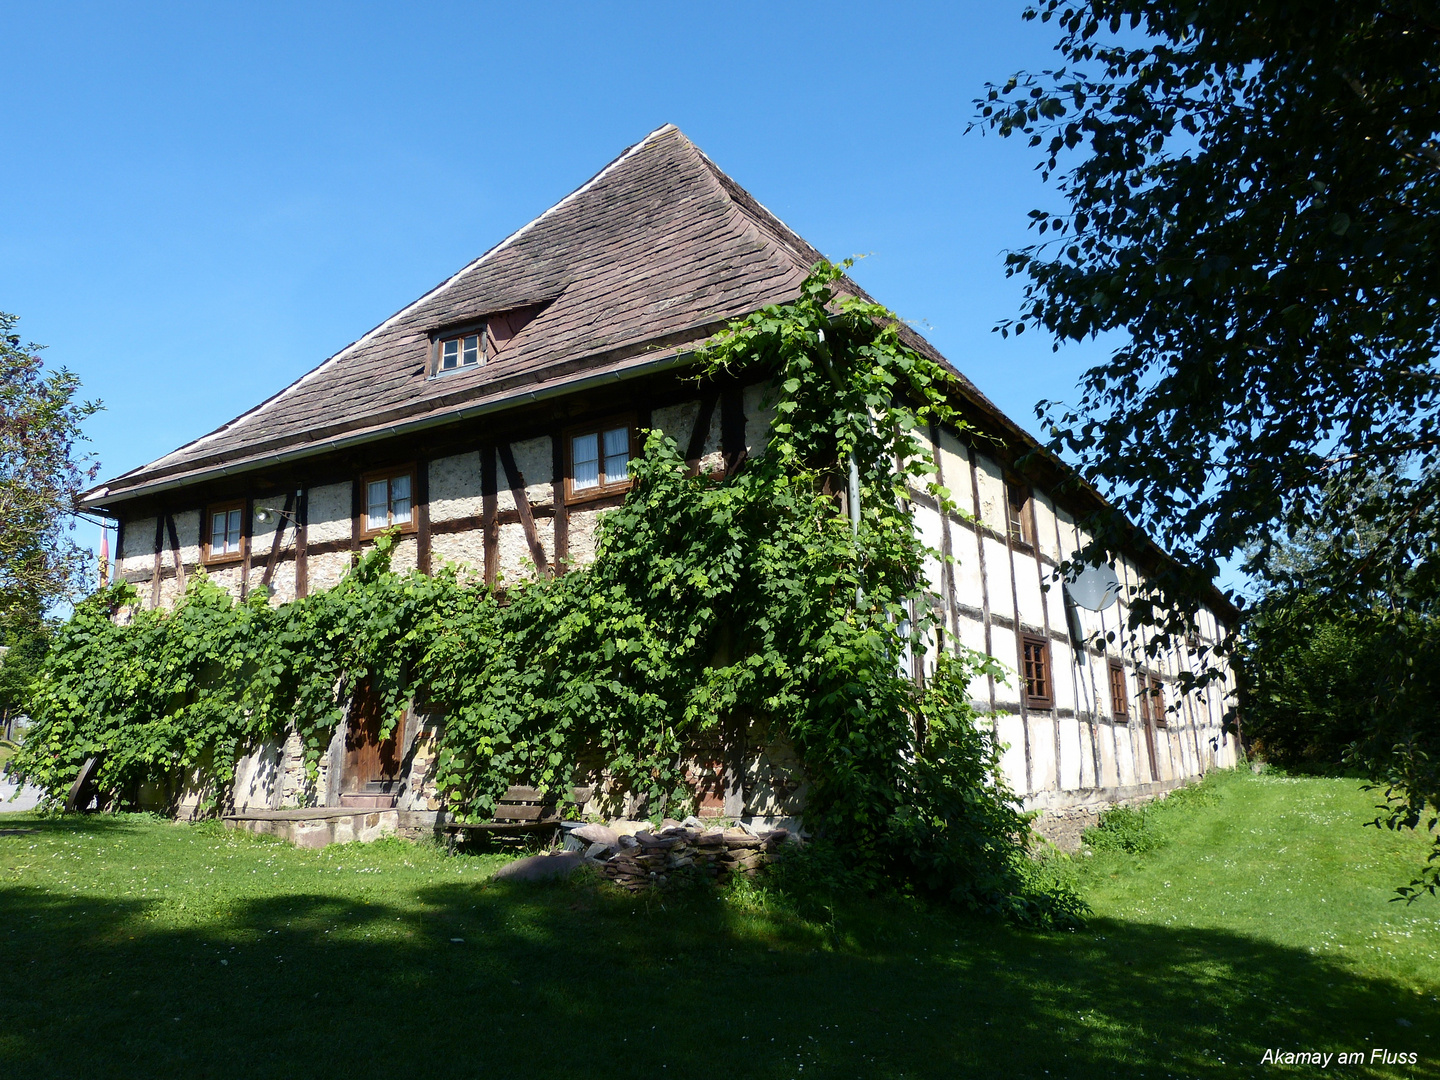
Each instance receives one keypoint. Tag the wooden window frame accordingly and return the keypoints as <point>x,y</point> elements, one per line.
<point>606,487</point>
<point>1157,701</point>
<point>366,479</point>
<point>1025,538</point>
<point>483,350</point>
<point>207,523</point>
<point>1047,674</point>
<point>1119,697</point>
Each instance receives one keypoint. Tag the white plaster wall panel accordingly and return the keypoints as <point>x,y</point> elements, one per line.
<point>257,779</point>
<point>282,585</point>
<point>455,487</point>
<point>997,572</point>
<point>955,465</point>
<point>1044,775</point>
<point>1089,776</point>
<point>583,526</point>
<point>1045,525</point>
<point>263,532</point>
<point>1027,591</point>
<point>992,493</point>
<point>676,422</point>
<point>329,513</point>
<point>187,531</point>
<point>972,636</point>
<point>405,555</point>
<point>533,459</point>
<point>1010,730</point>
<point>325,571</point>
<point>759,405</point>
<point>927,527</point>
<point>969,587</point>
<point>170,591</point>
<point>1126,755</point>
<point>1002,646</point>
<point>464,549</point>
<point>1062,671</point>
<point>517,561</point>
<point>227,578</point>
<point>1109,771</point>
<point>139,550</point>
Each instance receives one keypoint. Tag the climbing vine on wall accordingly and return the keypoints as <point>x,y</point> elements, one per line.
<point>716,606</point>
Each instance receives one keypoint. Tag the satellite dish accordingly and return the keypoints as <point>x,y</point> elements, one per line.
<point>1094,588</point>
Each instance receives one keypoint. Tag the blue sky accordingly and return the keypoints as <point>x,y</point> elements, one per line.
<point>202,202</point>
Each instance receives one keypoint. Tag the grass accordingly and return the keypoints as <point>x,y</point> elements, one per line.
<point>1260,918</point>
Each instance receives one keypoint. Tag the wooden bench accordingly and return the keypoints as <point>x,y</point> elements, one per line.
<point>520,813</point>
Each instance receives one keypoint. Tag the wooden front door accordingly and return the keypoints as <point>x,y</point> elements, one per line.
<point>371,763</point>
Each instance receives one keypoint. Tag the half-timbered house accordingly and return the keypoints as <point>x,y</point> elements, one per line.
<point>492,420</point>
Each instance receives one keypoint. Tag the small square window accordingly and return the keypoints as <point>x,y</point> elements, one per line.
<point>465,351</point>
<point>225,532</point>
<point>1039,691</point>
<point>599,460</point>
<point>387,501</point>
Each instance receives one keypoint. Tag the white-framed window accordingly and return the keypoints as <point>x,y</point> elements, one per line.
<point>465,351</point>
<point>388,500</point>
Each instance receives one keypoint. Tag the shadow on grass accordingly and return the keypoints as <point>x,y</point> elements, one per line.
<point>570,980</point>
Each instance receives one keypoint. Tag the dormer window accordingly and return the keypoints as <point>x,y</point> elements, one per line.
<point>465,351</point>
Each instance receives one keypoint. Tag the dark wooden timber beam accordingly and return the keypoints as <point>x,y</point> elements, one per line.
<point>302,536</point>
<point>422,515</point>
<point>159,545</point>
<point>175,549</point>
<point>487,510</point>
<point>561,530</point>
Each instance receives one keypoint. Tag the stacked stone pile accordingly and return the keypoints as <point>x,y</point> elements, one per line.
<point>676,851</point>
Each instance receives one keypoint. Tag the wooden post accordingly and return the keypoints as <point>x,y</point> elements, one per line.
<point>175,550</point>
<point>155,571</point>
<point>557,496</point>
<point>422,516</point>
<point>247,533</point>
<point>357,511</point>
<point>732,428</point>
<point>302,536</point>
<point>487,510</point>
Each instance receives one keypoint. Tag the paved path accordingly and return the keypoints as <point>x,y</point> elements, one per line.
<point>29,797</point>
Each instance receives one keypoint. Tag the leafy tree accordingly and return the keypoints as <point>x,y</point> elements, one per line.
<point>42,476</point>
<point>1252,203</point>
<point>24,655</point>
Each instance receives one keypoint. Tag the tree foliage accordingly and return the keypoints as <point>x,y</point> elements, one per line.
<point>1251,201</point>
<point>717,609</point>
<point>42,476</point>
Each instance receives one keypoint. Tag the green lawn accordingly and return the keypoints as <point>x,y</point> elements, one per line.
<point>133,947</point>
